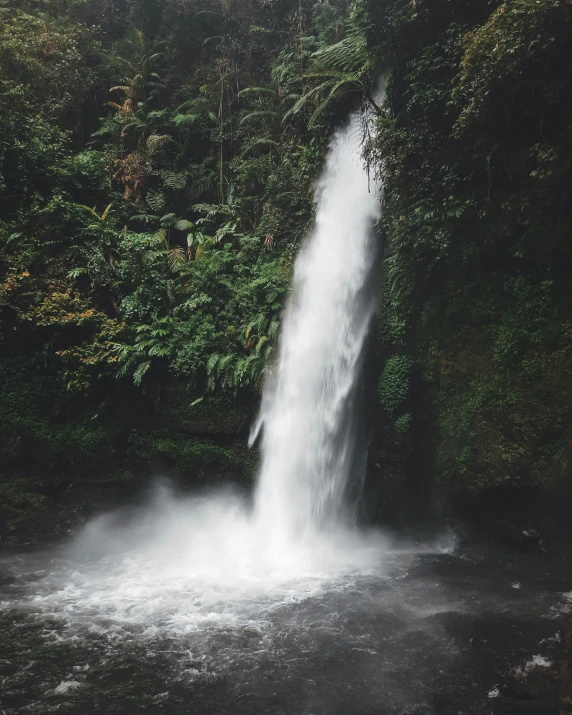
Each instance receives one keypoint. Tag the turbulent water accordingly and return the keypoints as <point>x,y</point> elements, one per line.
<point>212,604</point>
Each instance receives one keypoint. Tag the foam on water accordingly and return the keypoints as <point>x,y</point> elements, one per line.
<point>182,565</point>
<point>197,566</point>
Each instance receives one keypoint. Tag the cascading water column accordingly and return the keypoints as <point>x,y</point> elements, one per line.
<point>309,436</point>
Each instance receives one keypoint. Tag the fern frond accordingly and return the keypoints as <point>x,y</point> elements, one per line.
<point>347,55</point>
<point>346,79</point>
<point>295,109</point>
<point>259,143</point>
<point>258,91</point>
<point>186,120</point>
<point>189,104</point>
<point>91,211</point>
<point>259,344</point>
<point>105,214</point>
<point>155,200</point>
<point>173,179</point>
<point>262,114</point>
<point>156,141</point>
<point>201,186</point>
<point>212,363</point>
<point>273,328</point>
<point>224,362</point>
<point>140,372</point>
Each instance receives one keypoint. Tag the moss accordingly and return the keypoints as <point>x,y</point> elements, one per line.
<point>504,426</point>
<point>475,153</point>
<point>403,424</point>
<point>394,382</point>
<point>22,494</point>
<point>222,414</point>
<point>45,427</point>
<point>36,409</point>
<point>192,457</point>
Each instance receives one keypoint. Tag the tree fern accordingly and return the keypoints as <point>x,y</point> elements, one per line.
<point>186,120</point>
<point>201,185</point>
<point>258,92</point>
<point>262,142</point>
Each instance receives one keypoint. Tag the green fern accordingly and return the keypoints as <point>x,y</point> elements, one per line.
<point>155,200</point>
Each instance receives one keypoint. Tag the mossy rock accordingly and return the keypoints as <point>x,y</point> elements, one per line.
<point>43,423</point>
<point>500,427</point>
<point>194,459</point>
<point>217,414</point>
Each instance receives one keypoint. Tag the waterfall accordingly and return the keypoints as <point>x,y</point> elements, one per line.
<point>309,433</point>
<point>191,564</point>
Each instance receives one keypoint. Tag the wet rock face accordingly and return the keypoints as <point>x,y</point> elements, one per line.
<point>386,497</point>
<point>525,520</point>
<point>398,487</point>
<point>385,491</point>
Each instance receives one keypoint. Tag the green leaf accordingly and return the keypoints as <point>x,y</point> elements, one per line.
<point>76,272</point>
<point>140,372</point>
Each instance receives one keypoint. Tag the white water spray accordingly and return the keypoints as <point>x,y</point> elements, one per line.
<point>309,440</point>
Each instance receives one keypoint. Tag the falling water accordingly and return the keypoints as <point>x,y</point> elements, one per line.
<point>210,602</point>
<point>192,564</point>
<point>309,439</point>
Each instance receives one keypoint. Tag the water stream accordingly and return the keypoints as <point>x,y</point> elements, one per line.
<point>214,604</point>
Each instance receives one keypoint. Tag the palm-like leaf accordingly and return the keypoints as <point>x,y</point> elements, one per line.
<point>258,91</point>
<point>262,142</point>
<point>260,114</point>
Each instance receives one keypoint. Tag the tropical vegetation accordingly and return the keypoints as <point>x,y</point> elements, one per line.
<point>157,163</point>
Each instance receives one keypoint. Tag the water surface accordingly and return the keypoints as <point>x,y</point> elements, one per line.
<point>140,613</point>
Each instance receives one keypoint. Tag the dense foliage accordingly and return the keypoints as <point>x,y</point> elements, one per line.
<point>157,160</point>
<point>476,148</point>
<point>156,172</point>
